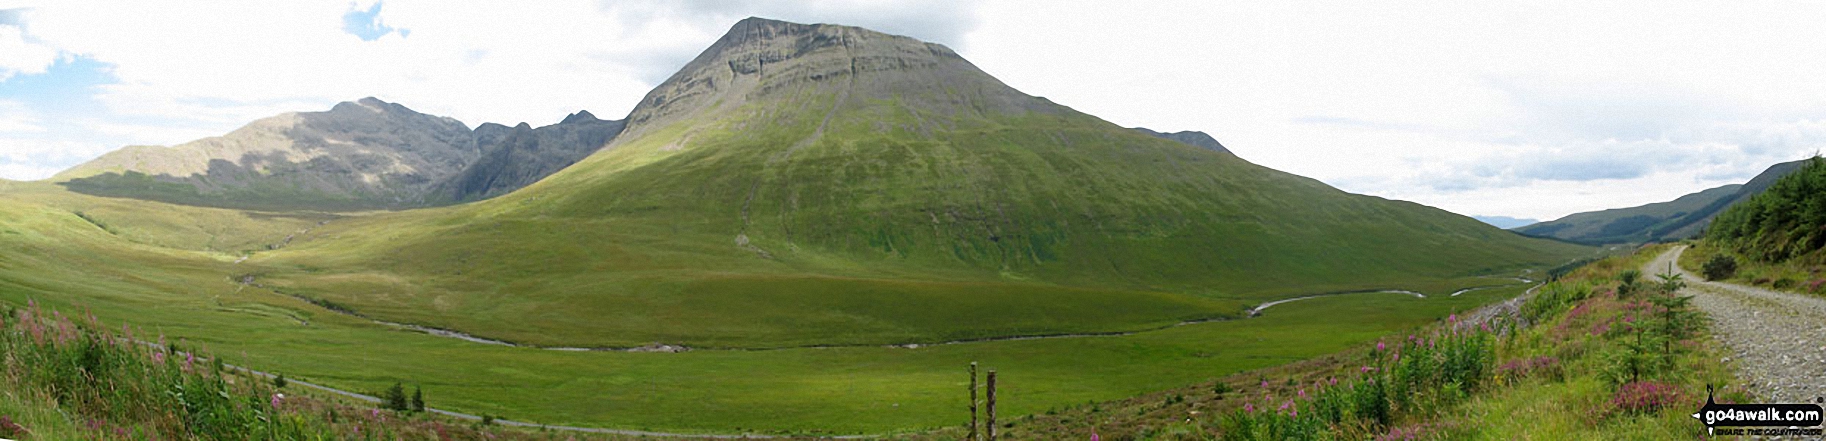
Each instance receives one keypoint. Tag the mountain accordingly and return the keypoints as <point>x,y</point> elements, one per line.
<point>819,184</point>
<point>364,154</point>
<point>1199,139</point>
<point>1506,222</point>
<point>514,157</point>
<point>1682,218</point>
<point>1786,221</point>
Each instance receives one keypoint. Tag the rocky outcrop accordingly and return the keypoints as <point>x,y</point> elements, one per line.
<point>1192,138</point>
<point>362,154</point>
<point>521,155</point>
<point>780,62</point>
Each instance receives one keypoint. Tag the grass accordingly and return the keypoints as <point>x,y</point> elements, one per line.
<point>66,262</point>
<point>72,378</point>
<point>1800,276</point>
<point>1555,379</point>
<point>742,230</point>
<point>740,236</point>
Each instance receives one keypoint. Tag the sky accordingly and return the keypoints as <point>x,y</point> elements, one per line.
<point>1481,108</point>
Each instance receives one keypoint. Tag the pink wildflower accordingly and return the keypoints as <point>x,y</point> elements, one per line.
<point>1453,318</point>
<point>1249,407</point>
<point>276,398</point>
<point>1367,369</point>
<point>1379,346</point>
<point>1334,380</point>
<point>1094,436</point>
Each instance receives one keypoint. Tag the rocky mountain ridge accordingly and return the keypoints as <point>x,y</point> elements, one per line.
<point>362,154</point>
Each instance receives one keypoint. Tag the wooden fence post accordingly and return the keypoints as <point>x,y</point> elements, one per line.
<point>972,402</point>
<point>990,429</point>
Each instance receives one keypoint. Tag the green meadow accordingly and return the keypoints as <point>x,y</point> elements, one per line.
<point>170,271</point>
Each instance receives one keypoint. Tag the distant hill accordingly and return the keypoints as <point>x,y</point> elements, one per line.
<point>1506,222</point>
<point>1786,221</point>
<point>1199,139</point>
<point>1682,218</point>
<point>364,154</point>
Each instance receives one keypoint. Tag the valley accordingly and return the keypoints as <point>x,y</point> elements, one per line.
<point>808,230</point>
<point>189,296</point>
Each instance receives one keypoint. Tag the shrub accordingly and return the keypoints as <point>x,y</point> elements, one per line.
<point>279,381</point>
<point>1528,367</point>
<point>11,429</point>
<point>395,398</point>
<point>1783,283</point>
<point>1720,267</point>
<point>1645,396</point>
<point>1629,282</point>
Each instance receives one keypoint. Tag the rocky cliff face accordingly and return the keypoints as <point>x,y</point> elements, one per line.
<point>362,154</point>
<point>514,157</point>
<point>798,65</point>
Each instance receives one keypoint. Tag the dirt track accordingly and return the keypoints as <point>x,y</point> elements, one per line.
<point>1777,339</point>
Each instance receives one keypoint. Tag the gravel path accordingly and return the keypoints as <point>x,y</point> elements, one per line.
<point>1778,339</point>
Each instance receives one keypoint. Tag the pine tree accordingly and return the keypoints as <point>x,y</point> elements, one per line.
<point>395,398</point>
<point>418,399</point>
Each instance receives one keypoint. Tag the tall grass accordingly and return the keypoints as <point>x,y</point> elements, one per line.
<point>115,386</point>
<point>1411,377</point>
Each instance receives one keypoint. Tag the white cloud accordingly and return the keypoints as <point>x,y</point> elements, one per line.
<point>17,118</point>
<point>1531,110</point>
<point>21,56</point>
<point>24,158</point>
<point>1528,110</point>
<point>186,69</point>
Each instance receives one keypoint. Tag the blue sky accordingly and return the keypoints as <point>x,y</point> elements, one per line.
<point>1528,111</point>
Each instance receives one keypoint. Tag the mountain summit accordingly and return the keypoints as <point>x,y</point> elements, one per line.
<point>363,153</point>
<point>762,60</point>
<point>360,154</point>
<point>795,178</point>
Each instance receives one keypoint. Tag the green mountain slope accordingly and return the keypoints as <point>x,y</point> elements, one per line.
<point>1681,218</point>
<point>1788,221</point>
<point>818,184</point>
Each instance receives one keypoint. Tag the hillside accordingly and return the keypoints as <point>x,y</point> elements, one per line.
<point>1785,222</point>
<point>1682,218</point>
<point>365,154</point>
<point>819,184</point>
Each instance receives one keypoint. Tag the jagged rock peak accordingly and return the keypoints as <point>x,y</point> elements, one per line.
<point>580,116</point>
